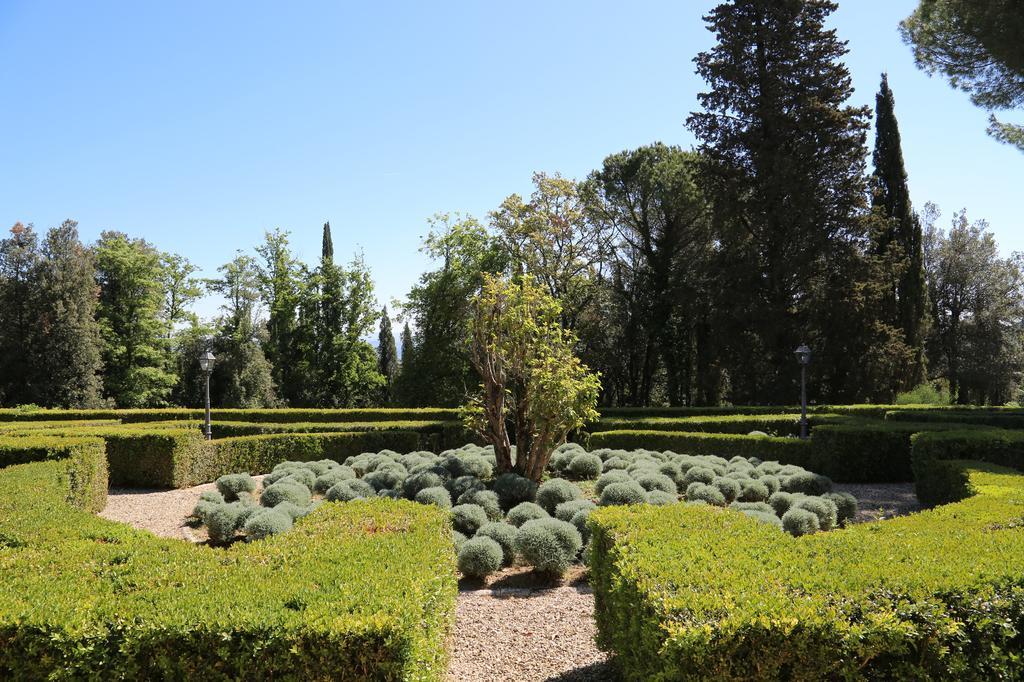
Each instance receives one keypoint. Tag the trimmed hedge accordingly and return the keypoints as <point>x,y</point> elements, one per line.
<point>937,470</point>
<point>688,592</point>
<point>364,590</point>
<point>784,450</point>
<point>80,466</point>
<point>773,424</point>
<point>1004,418</point>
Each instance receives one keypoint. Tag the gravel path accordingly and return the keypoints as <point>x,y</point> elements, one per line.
<point>516,629</point>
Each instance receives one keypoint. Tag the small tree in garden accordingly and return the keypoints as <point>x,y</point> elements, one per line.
<point>532,384</point>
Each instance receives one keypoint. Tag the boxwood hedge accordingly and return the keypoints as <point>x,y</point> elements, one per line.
<point>688,592</point>
<point>364,590</point>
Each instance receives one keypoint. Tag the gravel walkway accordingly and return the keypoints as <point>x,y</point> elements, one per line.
<point>514,629</point>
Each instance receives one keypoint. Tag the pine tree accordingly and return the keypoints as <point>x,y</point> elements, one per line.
<point>19,269</point>
<point>785,168</point>
<point>387,356</point>
<point>66,353</point>
<point>280,277</point>
<point>902,235</point>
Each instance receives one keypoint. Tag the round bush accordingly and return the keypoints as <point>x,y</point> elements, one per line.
<point>753,491</point>
<point>846,504</point>
<point>300,475</point>
<point>222,521</point>
<point>479,557</point>
<point>579,519</point>
<point>467,518</point>
<point>285,491</point>
<point>825,510</point>
<point>705,493</point>
<point>437,495</point>
<point>414,483</point>
<point>807,483</point>
<point>566,510</point>
<point>773,483</point>
<point>505,535</point>
<point>729,487</point>
<point>549,545</point>
<point>345,491</point>
<point>763,507</point>
<point>781,502</point>
<point>212,496</point>
<point>463,484</point>
<point>627,492</point>
<point>265,523</point>
<point>293,510</point>
<point>325,481</point>
<point>606,479</point>
<point>652,482</point>
<point>231,484</point>
<point>459,539</point>
<point>585,466</point>
<point>513,489</point>
<point>614,464</point>
<point>672,470</point>
<point>555,491</point>
<point>764,517</point>
<point>698,474</point>
<point>560,459</point>
<point>798,522</point>
<point>525,511</point>
<point>390,494</point>
<point>385,479</point>
<point>487,499</point>
<point>660,497</point>
<point>321,467</point>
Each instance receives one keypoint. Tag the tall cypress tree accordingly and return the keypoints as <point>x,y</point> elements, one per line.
<point>19,268</point>
<point>387,355</point>
<point>785,168</point>
<point>902,232</point>
<point>67,350</point>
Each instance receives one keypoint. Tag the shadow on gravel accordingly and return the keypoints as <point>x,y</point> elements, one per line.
<point>595,672</point>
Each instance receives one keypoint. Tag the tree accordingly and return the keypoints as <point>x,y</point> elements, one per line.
<point>19,267</point>
<point>978,309</point>
<point>899,239</point>
<point>66,349</point>
<point>181,289</point>
<point>387,356</point>
<point>437,372</point>
<point>135,333</point>
<point>977,46</point>
<point>531,378</point>
<point>784,166</point>
<point>280,278</point>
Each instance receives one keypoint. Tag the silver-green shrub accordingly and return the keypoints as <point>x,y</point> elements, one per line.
<point>265,523</point>
<point>437,495</point>
<point>555,491</point>
<point>285,491</point>
<point>585,466</point>
<point>479,557</point>
<point>513,489</point>
<point>626,492</point>
<point>230,485</point>
<point>525,511</point>
<point>798,522</point>
<point>505,535</point>
<point>549,545</point>
<point>467,518</point>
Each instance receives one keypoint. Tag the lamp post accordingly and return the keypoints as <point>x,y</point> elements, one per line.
<point>803,356</point>
<point>206,362</point>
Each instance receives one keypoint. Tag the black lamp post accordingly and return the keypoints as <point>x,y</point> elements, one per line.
<point>206,362</point>
<point>803,356</point>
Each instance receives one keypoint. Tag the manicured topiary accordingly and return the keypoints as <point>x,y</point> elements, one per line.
<point>846,504</point>
<point>321,467</point>
<point>479,557</point>
<point>438,495</point>
<point>463,484</point>
<point>211,496</point>
<point>773,483</point>
<point>265,523</point>
<point>549,545</point>
<point>705,493</point>
<point>513,489</point>
<point>285,491</point>
<point>614,464</point>
<point>487,499</point>
<point>523,512</point>
<point>729,487</point>
<point>764,517</point>
<point>698,474</point>
<point>672,470</point>
<point>614,476</point>
<point>384,479</point>
<point>303,476</point>
<point>753,491</point>
<point>420,481</point>
<point>579,519</point>
<point>627,492</point>
<point>246,510</point>
<point>763,507</point>
<point>230,485</point>
<point>222,521</point>
<point>389,493</point>
<point>467,518</point>
<point>505,535</point>
<point>566,510</point>
<point>781,502</point>
<point>345,491</point>
<point>559,461</point>
<point>806,483</point>
<point>585,466</point>
<point>661,497</point>
<point>459,539</point>
<point>652,481</point>
<point>798,521</point>
<point>555,491</point>
<point>293,510</point>
<point>324,482</point>
<point>825,510</point>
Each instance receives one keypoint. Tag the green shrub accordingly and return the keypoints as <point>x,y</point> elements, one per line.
<point>554,492</point>
<point>824,509</point>
<point>789,450</point>
<point>414,483</point>
<point>468,518</point>
<point>385,479</point>
<point>585,467</point>
<point>459,539</point>
<point>566,510</point>
<point>799,521</point>
<point>807,483</point>
<point>771,482</point>
<point>345,491</point>
<point>325,481</point>
<point>479,557</point>
<point>661,497</point>
<point>764,517</point>
<point>606,479</point>
<point>846,506</point>
<point>699,474</point>
<point>781,502</point>
<point>437,495</point>
<point>579,519</point>
<point>300,475</point>
<point>702,492</point>
<point>513,489</point>
<point>487,499</point>
<point>549,545</point>
<point>222,521</point>
<point>614,464</point>
<point>265,523</point>
<point>730,488</point>
<point>505,535</point>
<point>651,482</point>
<point>463,484</point>
<point>213,496</point>
<point>285,491</point>
<point>762,507</point>
<point>523,512</point>
<point>753,491</point>
<point>230,485</point>
<point>292,510</point>
<point>627,492</point>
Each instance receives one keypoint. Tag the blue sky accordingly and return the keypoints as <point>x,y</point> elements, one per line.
<point>198,125</point>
